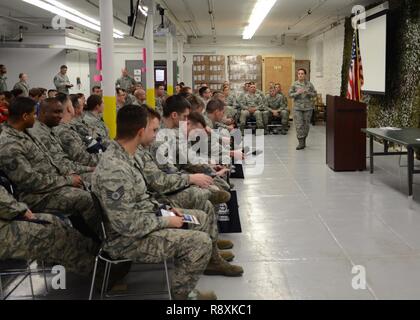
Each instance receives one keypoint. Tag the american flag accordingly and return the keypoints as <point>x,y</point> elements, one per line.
<point>356,71</point>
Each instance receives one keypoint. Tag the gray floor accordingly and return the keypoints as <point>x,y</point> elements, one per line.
<point>305,227</point>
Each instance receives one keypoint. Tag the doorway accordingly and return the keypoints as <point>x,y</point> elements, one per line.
<point>279,70</point>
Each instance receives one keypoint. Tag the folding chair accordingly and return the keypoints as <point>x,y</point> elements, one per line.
<point>109,262</point>
<point>11,267</point>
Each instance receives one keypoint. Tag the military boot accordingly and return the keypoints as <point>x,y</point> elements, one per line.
<point>227,255</point>
<point>224,244</point>
<point>301,145</point>
<point>219,267</point>
<point>219,196</point>
<point>195,295</point>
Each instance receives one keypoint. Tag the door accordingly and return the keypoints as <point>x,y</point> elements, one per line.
<point>93,71</point>
<point>305,64</point>
<point>161,73</point>
<point>279,70</point>
<point>134,68</point>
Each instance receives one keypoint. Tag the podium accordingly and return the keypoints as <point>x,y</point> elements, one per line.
<point>346,143</point>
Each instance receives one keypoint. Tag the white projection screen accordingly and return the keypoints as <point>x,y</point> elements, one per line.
<point>373,51</point>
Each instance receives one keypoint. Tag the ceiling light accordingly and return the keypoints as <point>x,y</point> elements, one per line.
<point>260,11</point>
<point>73,15</point>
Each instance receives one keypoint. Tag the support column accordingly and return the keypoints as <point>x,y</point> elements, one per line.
<point>180,43</point>
<point>108,83</point>
<point>150,56</point>
<point>170,64</point>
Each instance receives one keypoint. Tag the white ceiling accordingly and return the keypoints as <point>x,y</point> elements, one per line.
<point>287,16</point>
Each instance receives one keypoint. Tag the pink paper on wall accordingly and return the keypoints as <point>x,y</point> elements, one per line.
<point>99,60</point>
<point>97,78</point>
<point>144,61</point>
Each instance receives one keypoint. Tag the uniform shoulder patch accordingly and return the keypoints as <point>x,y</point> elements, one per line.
<point>116,195</point>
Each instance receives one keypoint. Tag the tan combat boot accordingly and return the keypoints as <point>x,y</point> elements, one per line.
<point>224,244</point>
<point>301,145</point>
<point>219,196</point>
<point>227,255</point>
<point>218,266</point>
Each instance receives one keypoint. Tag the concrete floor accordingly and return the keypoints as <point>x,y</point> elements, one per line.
<point>305,227</point>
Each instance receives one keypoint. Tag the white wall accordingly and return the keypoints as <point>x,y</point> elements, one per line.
<point>331,59</point>
<point>41,65</point>
<point>78,67</point>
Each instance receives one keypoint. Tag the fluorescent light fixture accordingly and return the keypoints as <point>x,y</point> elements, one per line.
<point>71,14</point>
<point>144,10</point>
<point>260,11</point>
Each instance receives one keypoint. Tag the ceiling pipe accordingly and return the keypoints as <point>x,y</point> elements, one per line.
<point>211,13</point>
<point>19,20</point>
<point>308,13</point>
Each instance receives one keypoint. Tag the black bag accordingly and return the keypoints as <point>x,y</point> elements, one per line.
<point>228,215</point>
<point>238,172</point>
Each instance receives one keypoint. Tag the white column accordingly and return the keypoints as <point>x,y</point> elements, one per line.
<point>150,56</point>
<point>169,64</point>
<point>108,81</point>
<point>180,43</point>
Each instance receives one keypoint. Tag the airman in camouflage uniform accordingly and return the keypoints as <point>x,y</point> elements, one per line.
<point>39,181</point>
<point>97,127</point>
<point>125,82</point>
<point>74,146</point>
<point>250,101</point>
<point>22,236</point>
<point>186,160</point>
<point>277,105</point>
<point>136,232</point>
<point>302,92</point>
<point>62,82</point>
<point>52,145</point>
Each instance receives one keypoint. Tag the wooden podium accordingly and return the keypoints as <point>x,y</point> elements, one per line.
<point>346,143</point>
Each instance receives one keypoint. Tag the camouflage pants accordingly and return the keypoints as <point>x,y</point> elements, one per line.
<point>231,113</point>
<point>260,116</point>
<point>190,249</point>
<point>302,122</point>
<point>221,184</point>
<point>193,198</point>
<point>55,243</point>
<point>70,202</point>
<point>284,115</point>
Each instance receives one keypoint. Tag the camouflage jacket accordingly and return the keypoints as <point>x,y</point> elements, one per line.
<point>159,104</point>
<point>97,127</point>
<point>29,166</point>
<point>10,208</point>
<point>22,86</point>
<point>61,82</point>
<point>231,100</point>
<point>279,102</point>
<point>129,208</point>
<point>253,100</point>
<point>81,128</point>
<point>156,179</point>
<point>302,101</point>
<point>183,157</point>
<point>74,146</point>
<point>125,83</point>
<point>51,141</point>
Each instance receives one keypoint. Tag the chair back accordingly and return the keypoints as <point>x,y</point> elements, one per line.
<point>6,183</point>
<point>101,214</point>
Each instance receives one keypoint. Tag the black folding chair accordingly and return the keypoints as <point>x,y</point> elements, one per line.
<point>109,262</point>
